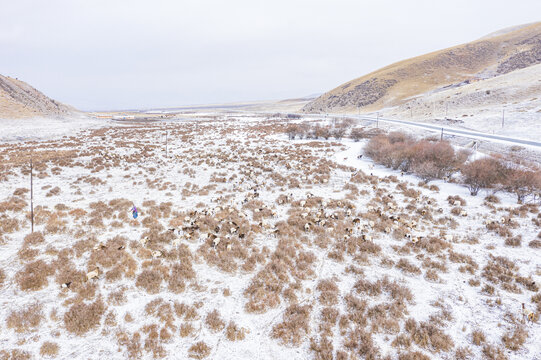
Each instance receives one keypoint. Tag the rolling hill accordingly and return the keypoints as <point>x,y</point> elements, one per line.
<point>494,55</point>
<point>20,100</point>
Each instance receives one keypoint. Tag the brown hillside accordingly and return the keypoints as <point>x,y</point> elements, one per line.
<point>20,100</point>
<point>491,56</point>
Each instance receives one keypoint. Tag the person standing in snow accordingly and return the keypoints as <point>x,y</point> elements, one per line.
<point>134,212</point>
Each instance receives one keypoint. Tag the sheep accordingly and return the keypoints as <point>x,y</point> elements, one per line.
<point>527,314</point>
<point>233,230</point>
<point>176,242</point>
<point>366,237</point>
<point>215,242</point>
<point>306,226</point>
<point>448,238</point>
<point>93,274</point>
<point>143,241</point>
<point>371,223</point>
<point>156,253</point>
<point>228,247</point>
<point>304,215</point>
<point>387,230</point>
<point>66,285</point>
<point>415,240</point>
<point>303,202</point>
<point>356,221</point>
<point>348,212</point>
<point>99,247</point>
<point>457,203</point>
<point>463,213</point>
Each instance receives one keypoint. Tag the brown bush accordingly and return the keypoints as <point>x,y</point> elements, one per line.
<point>49,349</point>
<point>234,333</point>
<point>199,350</point>
<point>81,317</point>
<point>515,241</point>
<point>536,244</point>
<point>482,173</point>
<point>522,183</point>
<point>25,320</point>
<point>34,238</point>
<point>15,354</point>
<point>514,341</point>
<point>294,326</point>
<point>214,321</point>
<point>2,277</point>
<point>150,281</point>
<point>328,292</point>
<point>406,266</point>
<point>34,275</point>
<point>478,337</point>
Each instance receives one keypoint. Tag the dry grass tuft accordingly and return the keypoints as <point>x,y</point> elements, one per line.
<point>150,281</point>
<point>199,350</point>
<point>49,348</point>
<point>234,333</point>
<point>81,317</point>
<point>294,326</point>
<point>214,321</point>
<point>514,340</point>
<point>34,275</point>
<point>25,320</point>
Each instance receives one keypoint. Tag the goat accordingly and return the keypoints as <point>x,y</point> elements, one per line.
<point>527,314</point>
<point>93,274</point>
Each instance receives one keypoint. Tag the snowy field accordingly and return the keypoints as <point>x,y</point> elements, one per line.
<point>252,246</point>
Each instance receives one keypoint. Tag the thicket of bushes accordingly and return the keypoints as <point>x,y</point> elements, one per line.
<point>428,159</point>
<point>338,130</point>
<point>438,159</point>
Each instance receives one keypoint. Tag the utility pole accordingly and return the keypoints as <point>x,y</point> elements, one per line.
<point>377,120</point>
<point>31,194</point>
<point>503,117</point>
<point>441,136</point>
<point>166,141</point>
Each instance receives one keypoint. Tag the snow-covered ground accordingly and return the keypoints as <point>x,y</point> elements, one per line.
<point>236,172</point>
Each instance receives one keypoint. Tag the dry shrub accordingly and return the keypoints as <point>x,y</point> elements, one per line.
<point>34,275</point>
<point>150,280</point>
<point>186,329</point>
<point>199,350</point>
<point>33,239</point>
<point>294,326</point>
<point>522,183</point>
<point>53,192</point>
<point>535,244</point>
<point>361,342</point>
<point>515,241</point>
<point>26,253</point>
<point>413,355</point>
<point>81,317</point>
<point>328,292</point>
<point>234,333</point>
<point>406,266</point>
<point>514,341</point>
<point>132,344</point>
<point>15,354</point>
<point>214,321</point>
<point>478,337</point>
<point>49,348</point>
<point>482,173</point>
<point>25,320</point>
<point>492,353</point>
<point>428,336</point>
<point>323,349</point>
<point>2,277</point>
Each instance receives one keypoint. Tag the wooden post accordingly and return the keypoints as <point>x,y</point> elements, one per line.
<point>166,142</point>
<point>441,137</point>
<point>31,194</point>
<point>377,120</point>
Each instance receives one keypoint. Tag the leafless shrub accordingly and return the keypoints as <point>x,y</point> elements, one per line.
<point>15,354</point>
<point>34,275</point>
<point>132,344</point>
<point>81,317</point>
<point>150,280</point>
<point>33,239</point>
<point>406,266</point>
<point>514,340</point>
<point>328,292</point>
<point>323,349</point>
<point>199,350</point>
<point>515,241</point>
<point>49,348</point>
<point>492,353</point>
<point>482,173</point>
<point>535,244</point>
<point>413,355</point>
<point>214,321</point>
<point>429,336</point>
<point>25,320</point>
<point>294,326</point>
<point>234,333</point>
<point>478,337</point>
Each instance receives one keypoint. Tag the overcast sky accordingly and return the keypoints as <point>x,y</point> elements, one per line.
<point>98,55</point>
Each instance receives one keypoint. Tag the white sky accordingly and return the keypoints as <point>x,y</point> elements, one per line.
<point>111,54</point>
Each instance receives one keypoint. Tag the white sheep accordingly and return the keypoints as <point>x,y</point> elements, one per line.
<point>448,238</point>
<point>176,242</point>
<point>93,274</point>
<point>306,226</point>
<point>143,241</point>
<point>215,242</point>
<point>156,253</point>
<point>457,203</point>
<point>463,213</point>
<point>228,247</point>
<point>303,202</point>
